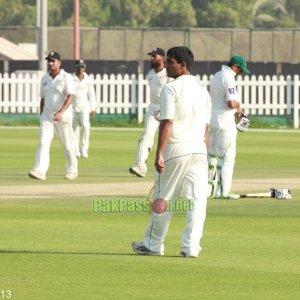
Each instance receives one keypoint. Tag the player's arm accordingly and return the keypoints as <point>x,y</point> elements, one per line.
<point>92,98</point>
<point>165,129</point>
<point>42,96</point>
<point>234,104</point>
<point>206,136</point>
<point>70,91</point>
<point>42,103</point>
<point>208,117</point>
<point>232,96</point>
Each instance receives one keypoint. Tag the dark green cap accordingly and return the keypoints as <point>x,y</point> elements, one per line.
<point>241,62</point>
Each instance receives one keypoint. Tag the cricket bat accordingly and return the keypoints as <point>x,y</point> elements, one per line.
<point>257,195</point>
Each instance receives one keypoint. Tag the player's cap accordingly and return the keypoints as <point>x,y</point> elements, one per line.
<point>53,55</point>
<point>80,63</point>
<point>241,62</point>
<point>157,51</point>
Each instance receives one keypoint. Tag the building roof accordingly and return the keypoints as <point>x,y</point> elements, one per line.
<point>11,51</point>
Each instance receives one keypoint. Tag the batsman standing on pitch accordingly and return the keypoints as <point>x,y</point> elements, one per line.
<point>223,130</point>
<point>84,107</point>
<point>157,78</point>
<point>57,91</point>
<point>181,156</point>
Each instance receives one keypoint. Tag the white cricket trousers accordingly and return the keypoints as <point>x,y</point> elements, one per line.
<point>146,140</point>
<point>222,142</point>
<point>188,174</point>
<point>81,123</point>
<point>63,130</point>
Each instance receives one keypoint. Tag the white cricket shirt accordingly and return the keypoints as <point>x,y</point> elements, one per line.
<point>223,89</point>
<point>85,97</point>
<point>55,91</point>
<point>156,83</point>
<point>188,104</point>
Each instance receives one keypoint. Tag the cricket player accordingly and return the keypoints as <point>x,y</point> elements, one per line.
<point>226,108</point>
<point>181,156</point>
<point>57,91</point>
<point>84,107</point>
<point>157,78</point>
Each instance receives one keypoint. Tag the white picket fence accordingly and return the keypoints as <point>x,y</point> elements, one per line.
<point>129,94</point>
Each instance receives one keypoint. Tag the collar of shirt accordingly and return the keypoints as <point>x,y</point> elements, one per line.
<point>61,73</point>
<point>228,69</point>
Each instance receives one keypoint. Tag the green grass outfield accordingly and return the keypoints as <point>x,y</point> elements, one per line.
<point>55,248</point>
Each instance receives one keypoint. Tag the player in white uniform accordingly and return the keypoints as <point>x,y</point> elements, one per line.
<point>181,156</point>
<point>84,107</point>
<point>157,78</point>
<point>223,133</point>
<point>57,91</point>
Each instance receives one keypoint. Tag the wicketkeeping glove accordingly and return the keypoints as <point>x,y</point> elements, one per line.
<point>243,124</point>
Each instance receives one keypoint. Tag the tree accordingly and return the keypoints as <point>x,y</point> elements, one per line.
<point>17,13</point>
<point>275,13</point>
<point>225,14</point>
<point>176,14</point>
<point>158,13</point>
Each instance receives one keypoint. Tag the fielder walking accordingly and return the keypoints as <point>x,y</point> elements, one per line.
<point>84,107</point>
<point>181,156</point>
<point>157,78</point>
<point>223,132</point>
<point>57,91</point>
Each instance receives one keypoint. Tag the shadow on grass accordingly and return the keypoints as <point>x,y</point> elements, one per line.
<point>76,253</point>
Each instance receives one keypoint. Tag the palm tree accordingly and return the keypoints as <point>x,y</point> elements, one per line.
<point>268,13</point>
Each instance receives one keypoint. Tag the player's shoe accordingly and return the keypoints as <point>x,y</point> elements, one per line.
<point>188,255</point>
<point>71,176</point>
<point>232,196</point>
<point>37,175</point>
<point>139,248</point>
<point>229,196</point>
<point>139,172</point>
<point>84,154</point>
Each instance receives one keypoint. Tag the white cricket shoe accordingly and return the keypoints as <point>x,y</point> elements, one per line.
<point>188,255</point>
<point>84,154</point>
<point>71,176</point>
<point>37,175</point>
<point>139,248</point>
<point>232,196</point>
<point>139,172</point>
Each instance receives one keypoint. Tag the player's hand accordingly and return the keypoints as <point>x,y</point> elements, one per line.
<point>238,115</point>
<point>159,163</point>
<point>92,114</point>
<point>57,116</point>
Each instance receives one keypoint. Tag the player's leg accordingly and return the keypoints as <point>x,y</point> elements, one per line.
<point>214,164</point>
<point>86,126</point>
<point>145,143</point>
<point>167,186</point>
<point>195,189</point>
<point>65,135</point>
<point>42,156</point>
<point>76,129</point>
<point>229,143</point>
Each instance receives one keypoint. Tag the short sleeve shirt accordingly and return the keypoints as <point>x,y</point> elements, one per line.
<point>85,93</point>
<point>156,83</point>
<point>222,90</point>
<point>54,91</point>
<point>188,104</point>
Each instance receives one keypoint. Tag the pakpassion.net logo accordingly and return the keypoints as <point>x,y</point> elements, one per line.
<point>127,206</point>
